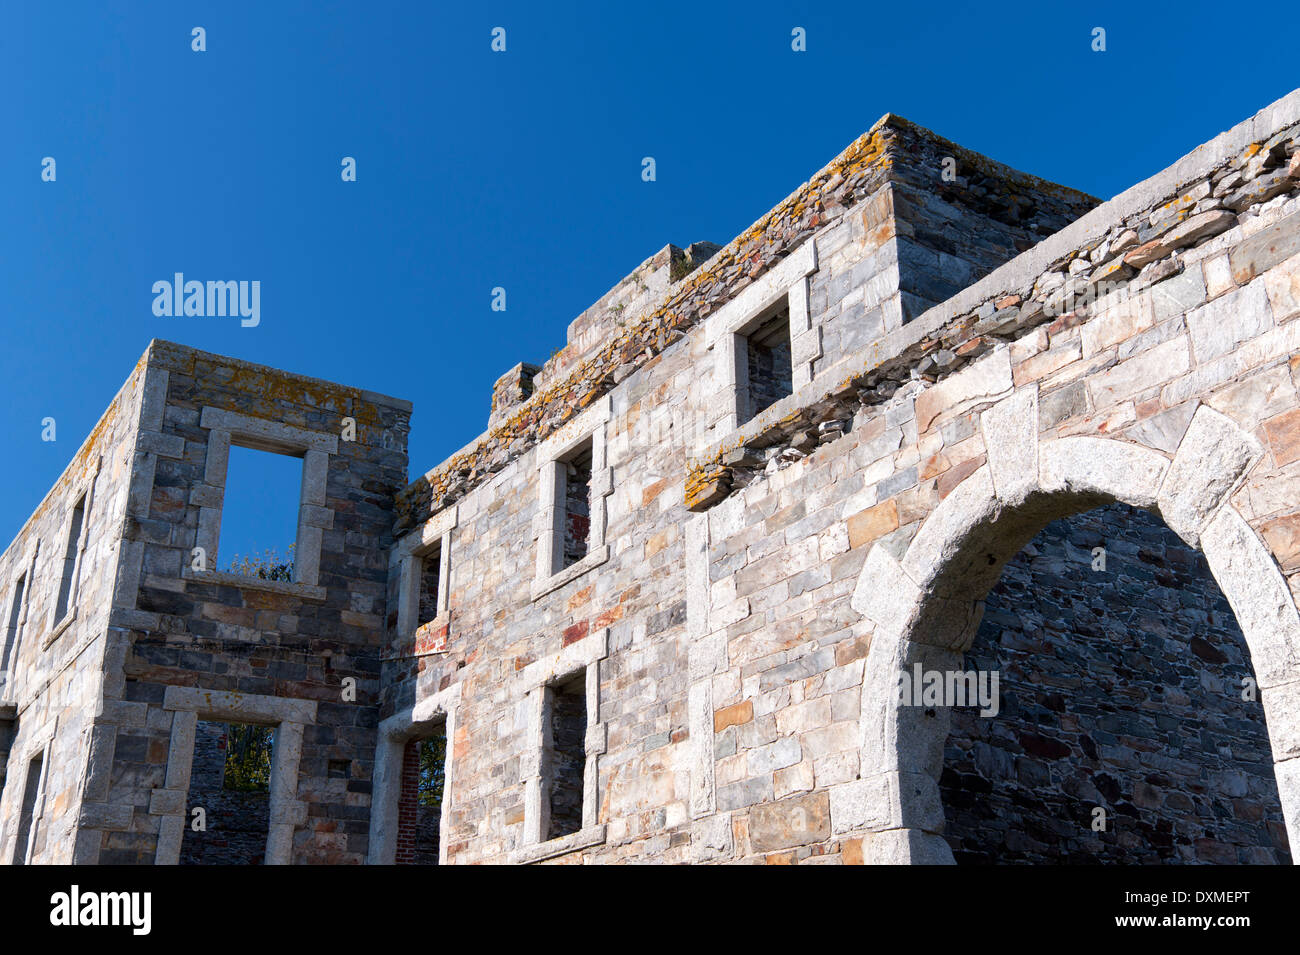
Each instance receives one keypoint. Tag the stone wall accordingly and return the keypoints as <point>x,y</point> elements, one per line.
<point>1122,674</point>
<point>419,819</point>
<point>428,591</point>
<point>567,755</point>
<point>770,370</point>
<point>188,642</point>
<point>51,690</point>
<point>750,590</point>
<point>848,205</point>
<point>235,823</point>
<point>735,699</point>
<point>501,627</point>
<point>945,218</point>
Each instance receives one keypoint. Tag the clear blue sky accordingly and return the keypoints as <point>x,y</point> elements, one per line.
<point>518,169</point>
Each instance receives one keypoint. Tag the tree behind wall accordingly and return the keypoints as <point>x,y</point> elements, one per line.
<point>268,565</point>
<point>248,758</point>
<point>433,757</point>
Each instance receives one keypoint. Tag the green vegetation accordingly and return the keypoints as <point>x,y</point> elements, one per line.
<point>269,565</point>
<point>433,757</point>
<point>248,758</point>
<point>680,268</point>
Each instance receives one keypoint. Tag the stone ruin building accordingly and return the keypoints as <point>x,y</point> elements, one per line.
<point>929,415</point>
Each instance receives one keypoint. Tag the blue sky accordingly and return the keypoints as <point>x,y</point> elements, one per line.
<point>478,169</point>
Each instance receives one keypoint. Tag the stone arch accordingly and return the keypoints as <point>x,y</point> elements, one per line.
<point>925,605</point>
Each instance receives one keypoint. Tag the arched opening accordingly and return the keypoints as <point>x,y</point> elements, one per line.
<point>926,604</point>
<point>1128,727</point>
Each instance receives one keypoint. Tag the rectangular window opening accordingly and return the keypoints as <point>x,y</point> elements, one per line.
<point>67,585</point>
<point>230,781</point>
<point>567,754</point>
<point>424,776</point>
<point>259,513</point>
<point>577,505</point>
<point>430,574</point>
<point>768,359</point>
<point>28,815</point>
<point>15,621</point>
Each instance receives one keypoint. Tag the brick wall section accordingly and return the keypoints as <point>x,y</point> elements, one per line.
<point>418,824</point>
<point>408,810</point>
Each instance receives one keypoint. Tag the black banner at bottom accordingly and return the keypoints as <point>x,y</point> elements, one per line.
<point>221,906</point>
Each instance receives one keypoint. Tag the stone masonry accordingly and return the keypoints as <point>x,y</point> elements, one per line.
<point>1119,683</point>
<point>660,609</point>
